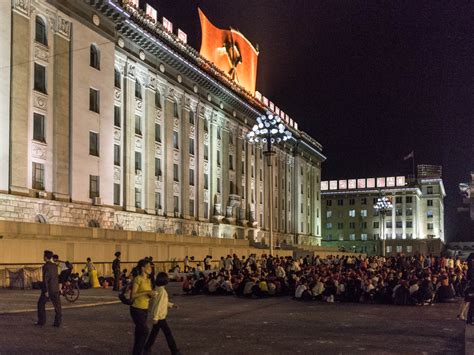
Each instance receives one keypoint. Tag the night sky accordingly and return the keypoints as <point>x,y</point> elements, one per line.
<point>370,80</point>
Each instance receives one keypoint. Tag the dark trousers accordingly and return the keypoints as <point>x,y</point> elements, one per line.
<point>162,324</point>
<point>139,317</point>
<point>116,280</point>
<point>56,301</point>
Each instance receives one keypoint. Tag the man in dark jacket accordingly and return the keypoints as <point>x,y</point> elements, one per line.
<point>116,270</point>
<point>49,290</point>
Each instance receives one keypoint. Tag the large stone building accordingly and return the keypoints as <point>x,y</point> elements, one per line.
<point>415,223</point>
<point>108,119</point>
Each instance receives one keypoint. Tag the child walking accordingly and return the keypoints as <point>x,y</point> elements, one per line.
<point>159,310</point>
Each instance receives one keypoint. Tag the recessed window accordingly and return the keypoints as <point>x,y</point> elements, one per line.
<point>429,214</point>
<point>328,202</point>
<point>191,117</point>
<point>138,198</point>
<point>38,127</point>
<point>157,99</point>
<point>175,172</point>
<point>206,210</point>
<point>219,187</point>
<point>94,144</point>
<point>116,194</point>
<point>352,213</point>
<point>138,161</point>
<point>429,190</point>
<point>40,78</point>
<point>363,201</point>
<point>398,199</point>
<point>38,176</point>
<point>157,167</point>
<point>191,177</point>
<point>398,224</point>
<point>409,199</point>
<point>231,162</point>
<point>376,224</point>
<point>176,204</point>
<point>328,225</point>
<point>352,225</point>
<point>206,181</point>
<point>94,186</point>
<point>219,133</point>
<point>191,146</point>
<point>363,236</point>
<point>219,158</point>
<point>94,57</point>
<point>175,110</point>
<point>40,31</point>
<point>117,79</point>
<point>340,202</point>
<point>138,90</point>
<point>352,202</point>
<point>138,125</point>
<point>409,224</point>
<point>191,208</point>
<point>117,116</point>
<point>175,140</point>
<point>157,200</point>
<point>94,100</point>
<point>116,155</point>
<point>429,203</point>
<point>157,132</point>
<point>352,236</point>
<point>206,152</point>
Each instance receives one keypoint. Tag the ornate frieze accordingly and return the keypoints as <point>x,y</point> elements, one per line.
<point>138,143</point>
<point>176,188</point>
<point>38,150</point>
<point>117,94</point>
<point>117,174</point>
<point>40,101</point>
<point>41,53</point>
<point>22,7</point>
<point>157,150</point>
<point>117,135</point>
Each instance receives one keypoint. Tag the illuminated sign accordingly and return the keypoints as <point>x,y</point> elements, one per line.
<point>182,36</point>
<point>391,181</point>
<point>258,95</point>
<point>231,52</point>
<point>352,183</point>
<point>342,184</point>
<point>324,185</point>
<point>272,106</point>
<point>400,180</point>
<point>361,183</point>
<point>167,25</point>
<point>150,11</point>
<point>333,185</point>
<point>381,182</point>
<point>370,183</point>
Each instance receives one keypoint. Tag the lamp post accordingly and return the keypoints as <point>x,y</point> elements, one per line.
<point>269,130</point>
<point>383,205</point>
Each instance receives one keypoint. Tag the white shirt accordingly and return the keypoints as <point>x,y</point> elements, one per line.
<point>299,291</point>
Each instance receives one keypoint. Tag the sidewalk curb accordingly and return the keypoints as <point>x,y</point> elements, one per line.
<point>86,305</point>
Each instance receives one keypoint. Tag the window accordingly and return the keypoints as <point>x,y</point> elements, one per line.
<point>388,224</point>
<point>363,225</point>
<point>363,201</point>
<point>328,225</point>
<point>138,198</point>
<point>116,155</point>
<point>191,117</point>
<point>399,249</point>
<point>157,133</point>
<point>117,79</point>
<point>409,211</point>
<point>157,201</point>
<point>94,57</point>
<point>352,236</point>
<point>138,161</point>
<point>157,99</point>
<point>219,187</point>
<point>41,31</point>
<point>191,146</point>
<point>399,212</point>
<point>429,214</point>
<point>231,138</point>
<point>38,127</point>
<point>340,225</point>
<point>363,213</point>
<point>328,214</point>
<point>93,144</point>
<point>206,127</point>
<point>38,176</point>
<point>409,249</point>
<point>40,78</point>
<point>352,213</point>
<point>429,203</point>
<point>191,177</point>
<point>340,202</point>
<point>231,162</point>
<point>398,199</point>
<point>219,133</point>
<point>352,225</point>
<point>175,172</point>
<point>430,226</point>
<point>94,186</point>
<point>94,100</point>
<point>175,110</point>
<point>328,202</point>
<point>138,125</point>
<point>175,140</point>
<point>176,204</point>
<point>117,116</point>
<point>398,224</point>
<point>157,167</point>
<point>301,208</point>
<point>409,224</point>
<point>206,210</point>
<point>191,208</point>
<point>375,200</point>
<point>218,158</point>
<point>341,237</point>
<point>116,194</point>
<point>206,181</point>
<point>329,237</point>
<point>409,199</point>
<point>363,236</point>
<point>376,236</point>
<point>138,90</point>
<point>389,248</point>
<point>206,152</point>
<point>429,190</point>
<point>376,224</point>
<point>352,202</point>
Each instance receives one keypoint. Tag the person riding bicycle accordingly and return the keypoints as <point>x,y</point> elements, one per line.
<point>65,270</point>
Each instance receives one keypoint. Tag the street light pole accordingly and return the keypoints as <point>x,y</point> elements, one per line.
<point>269,155</point>
<point>383,205</point>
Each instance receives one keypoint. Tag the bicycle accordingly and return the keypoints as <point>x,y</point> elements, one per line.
<point>70,289</point>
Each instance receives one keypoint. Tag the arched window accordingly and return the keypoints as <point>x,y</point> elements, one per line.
<point>117,79</point>
<point>158,99</point>
<point>94,57</point>
<point>40,32</point>
<point>175,109</point>
<point>138,90</point>
<point>93,223</point>
<point>40,219</point>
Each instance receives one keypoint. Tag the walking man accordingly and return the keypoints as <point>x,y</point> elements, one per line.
<point>49,290</point>
<point>116,270</point>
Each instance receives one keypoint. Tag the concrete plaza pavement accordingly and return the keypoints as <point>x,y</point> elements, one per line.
<point>220,324</point>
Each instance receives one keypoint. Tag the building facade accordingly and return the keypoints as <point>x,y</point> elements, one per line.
<point>414,224</point>
<point>108,120</point>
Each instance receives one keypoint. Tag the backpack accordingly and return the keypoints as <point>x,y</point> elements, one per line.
<point>124,294</point>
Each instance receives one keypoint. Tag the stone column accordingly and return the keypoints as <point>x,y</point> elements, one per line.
<point>224,169</point>
<point>168,153</point>
<point>21,74</point>
<point>184,161</point>
<point>129,137</point>
<point>199,161</point>
<point>149,152</point>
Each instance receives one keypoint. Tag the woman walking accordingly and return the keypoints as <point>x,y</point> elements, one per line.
<point>140,296</point>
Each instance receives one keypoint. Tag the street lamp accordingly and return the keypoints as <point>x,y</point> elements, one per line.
<point>269,130</point>
<point>383,205</point>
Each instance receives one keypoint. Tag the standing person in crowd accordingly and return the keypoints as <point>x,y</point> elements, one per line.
<point>116,270</point>
<point>49,290</point>
<point>186,264</point>
<point>140,296</point>
<point>92,272</point>
<point>159,310</point>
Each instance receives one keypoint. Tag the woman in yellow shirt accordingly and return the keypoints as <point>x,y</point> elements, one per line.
<point>141,293</point>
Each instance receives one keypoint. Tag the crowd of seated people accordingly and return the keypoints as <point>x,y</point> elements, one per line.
<point>400,280</point>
